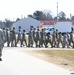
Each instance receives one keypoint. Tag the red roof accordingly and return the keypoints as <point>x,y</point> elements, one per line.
<point>48,22</point>
<point>52,22</point>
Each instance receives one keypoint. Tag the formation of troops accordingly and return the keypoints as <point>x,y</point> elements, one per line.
<point>38,38</point>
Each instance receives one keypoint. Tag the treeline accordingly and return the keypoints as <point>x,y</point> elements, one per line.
<point>47,15</point>
<point>38,15</point>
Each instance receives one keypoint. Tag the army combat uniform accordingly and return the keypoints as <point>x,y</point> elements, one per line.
<point>30,38</point>
<point>65,41</point>
<point>71,39</point>
<point>4,33</point>
<point>54,39</point>
<point>24,38</point>
<point>14,37</point>
<point>35,37</point>
<point>1,42</point>
<point>43,38</point>
<point>60,40</point>
<point>49,39</point>
<point>8,37</point>
<point>38,35</point>
<point>19,38</point>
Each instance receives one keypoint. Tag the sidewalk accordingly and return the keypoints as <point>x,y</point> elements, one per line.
<point>15,62</point>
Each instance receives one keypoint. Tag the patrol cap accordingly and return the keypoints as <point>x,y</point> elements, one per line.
<point>3,28</point>
<point>23,30</point>
<point>13,27</point>
<point>34,28</point>
<point>56,29</point>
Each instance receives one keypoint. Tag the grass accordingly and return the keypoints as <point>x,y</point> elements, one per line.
<point>63,58</point>
<point>67,54</point>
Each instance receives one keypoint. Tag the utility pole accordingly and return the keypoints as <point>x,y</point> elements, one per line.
<point>57,17</point>
<point>57,11</point>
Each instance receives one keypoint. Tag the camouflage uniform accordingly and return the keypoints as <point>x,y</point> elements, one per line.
<point>11,37</point>
<point>49,39</point>
<point>19,38</point>
<point>35,36</point>
<point>43,37</point>
<point>57,38</point>
<point>65,41</point>
<point>4,33</point>
<point>54,39</point>
<point>30,38</point>
<point>38,33</point>
<point>24,38</point>
<point>1,42</point>
<point>8,37</point>
<point>71,38</point>
<point>68,35</point>
<point>14,37</point>
<point>60,40</point>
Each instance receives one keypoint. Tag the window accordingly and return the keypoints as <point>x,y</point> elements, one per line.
<point>19,27</point>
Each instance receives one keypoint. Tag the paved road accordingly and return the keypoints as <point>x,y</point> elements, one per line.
<point>15,62</point>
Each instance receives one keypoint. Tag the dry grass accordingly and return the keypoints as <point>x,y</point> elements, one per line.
<point>63,58</point>
<point>66,54</point>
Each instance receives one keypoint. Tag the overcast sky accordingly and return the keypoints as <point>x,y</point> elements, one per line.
<point>11,9</point>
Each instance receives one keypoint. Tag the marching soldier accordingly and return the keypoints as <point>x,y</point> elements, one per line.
<point>35,36</point>
<point>11,37</point>
<point>72,39</point>
<point>57,38</point>
<point>4,32</point>
<point>1,42</point>
<point>8,37</point>
<point>14,37</point>
<point>19,38</point>
<point>43,37</point>
<point>30,38</point>
<point>68,36</point>
<point>65,41</point>
<point>60,40</point>
<point>38,38</point>
<point>49,39</point>
<point>24,38</point>
<point>54,38</point>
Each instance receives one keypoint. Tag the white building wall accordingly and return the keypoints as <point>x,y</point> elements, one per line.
<point>63,26</point>
<point>26,23</point>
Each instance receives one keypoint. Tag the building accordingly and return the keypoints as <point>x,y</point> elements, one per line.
<point>2,25</point>
<point>52,23</point>
<point>62,26</point>
<point>25,24</point>
<point>48,23</point>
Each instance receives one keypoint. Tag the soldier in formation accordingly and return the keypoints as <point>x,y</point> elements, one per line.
<point>30,38</point>
<point>39,38</point>
<point>24,39</point>
<point>1,42</point>
<point>13,37</point>
<point>49,39</point>
<point>8,37</point>
<point>19,38</point>
<point>38,33</point>
<point>60,39</point>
